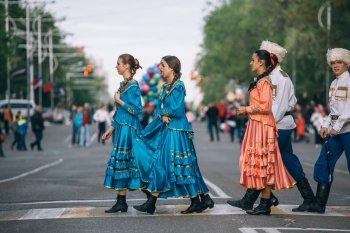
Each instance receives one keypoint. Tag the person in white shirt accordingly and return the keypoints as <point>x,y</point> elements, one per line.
<point>283,102</point>
<point>102,117</point>
<point>335,128</point>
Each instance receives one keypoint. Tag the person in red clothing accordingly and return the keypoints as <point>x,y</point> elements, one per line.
<point>85,132</point>
<point>222,107</point>
<point>300,128</point>
<point>7,118</point>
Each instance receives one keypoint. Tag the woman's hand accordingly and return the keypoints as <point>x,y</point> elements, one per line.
<point>166,119</point>
<point>107,134</point>
<point>241,110</point>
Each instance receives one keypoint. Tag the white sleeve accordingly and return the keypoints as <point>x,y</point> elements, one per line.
<point>281,101</point>
<point>345,114</point>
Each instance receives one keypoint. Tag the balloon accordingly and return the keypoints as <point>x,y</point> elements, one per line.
<point>145,78</point>
<point>145,88</point>
<point>150,94</point>
<point>156,76</point>
<point>153,82</point>
<point>154,89</point>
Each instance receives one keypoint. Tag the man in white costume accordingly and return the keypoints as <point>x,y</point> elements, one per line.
<point>335,128</point>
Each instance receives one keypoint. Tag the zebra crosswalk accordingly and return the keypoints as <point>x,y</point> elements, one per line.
<point>162,210</point>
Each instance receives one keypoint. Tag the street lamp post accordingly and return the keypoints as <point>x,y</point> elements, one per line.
<point>328,31</point>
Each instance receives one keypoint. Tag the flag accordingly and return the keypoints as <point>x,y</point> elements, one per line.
<point>37,83</point>
<point>19,72</point>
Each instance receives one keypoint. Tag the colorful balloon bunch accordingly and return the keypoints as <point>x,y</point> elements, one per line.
<point>150,85</point>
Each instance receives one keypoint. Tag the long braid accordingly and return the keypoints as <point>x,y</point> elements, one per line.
<point>175,64</point>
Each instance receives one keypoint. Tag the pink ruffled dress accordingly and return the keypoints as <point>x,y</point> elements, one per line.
<point>260,162</point>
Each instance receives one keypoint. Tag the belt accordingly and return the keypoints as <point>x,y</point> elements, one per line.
<point>288,113</point>
<point>334,117</point>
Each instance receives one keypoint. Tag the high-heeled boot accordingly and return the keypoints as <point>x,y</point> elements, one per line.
<point>120,205</point>
<point>206,201</point>
<point>262,208</point>
<point>194,207</point>
<point>149,206</point>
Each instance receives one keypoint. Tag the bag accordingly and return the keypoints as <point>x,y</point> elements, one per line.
<point>231,123</point>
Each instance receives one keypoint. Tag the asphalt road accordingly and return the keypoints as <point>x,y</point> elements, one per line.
<point>61,190</point>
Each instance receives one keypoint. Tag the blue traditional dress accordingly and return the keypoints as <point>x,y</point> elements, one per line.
<point>122,171</point>
<point>165,153</point>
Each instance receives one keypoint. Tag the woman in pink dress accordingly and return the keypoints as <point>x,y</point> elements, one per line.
<point>260,161</point>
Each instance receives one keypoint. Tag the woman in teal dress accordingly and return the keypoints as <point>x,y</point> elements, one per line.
<point>164,150</point>
<point>122,172</point>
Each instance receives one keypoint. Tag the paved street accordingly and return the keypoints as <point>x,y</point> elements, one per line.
<point>61,190</point>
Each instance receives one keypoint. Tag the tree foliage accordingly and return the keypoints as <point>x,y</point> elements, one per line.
<point>12,48</point>
<point>234,30</point>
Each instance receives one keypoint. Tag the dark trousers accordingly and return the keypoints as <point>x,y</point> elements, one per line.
<point>7,127</point>
<point>290,160</point>
<point>214,125</point>
<point>38,138</point>
<point>101,131</point>
<point>337,145</point>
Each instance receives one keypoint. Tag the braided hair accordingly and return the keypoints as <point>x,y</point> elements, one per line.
<point>134,65</point>
<point>175,64</point>
<point>270,60</point>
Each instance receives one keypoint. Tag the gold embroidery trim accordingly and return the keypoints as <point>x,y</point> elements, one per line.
<point>131,111</point>
<point>255,109</point>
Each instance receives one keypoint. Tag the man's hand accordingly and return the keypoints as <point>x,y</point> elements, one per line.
<point>333,133</point>
<point>323,132</point>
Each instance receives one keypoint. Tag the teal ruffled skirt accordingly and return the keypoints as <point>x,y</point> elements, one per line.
<point>122,171</point>
<point>168,162</point>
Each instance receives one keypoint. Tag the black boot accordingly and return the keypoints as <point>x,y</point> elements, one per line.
<point>273,200</point>
<point>308,195</point>
<point>195,206</point>
<point>247,202</point>
<point>120,205</point>
<point>322,194</point>
<point>262,208</point>
<point>206,201</point>
<point>149,206</point>
<point>148,193</point>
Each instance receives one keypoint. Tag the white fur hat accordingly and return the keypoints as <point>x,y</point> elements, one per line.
<point>338,54</point>
<point>274,48</point>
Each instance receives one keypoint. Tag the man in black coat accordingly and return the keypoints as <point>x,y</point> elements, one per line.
<point>37,122</point>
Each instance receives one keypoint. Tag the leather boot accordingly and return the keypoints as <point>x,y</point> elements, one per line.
<point>148,193</point>
<point>206,201</point>
<point>308,195</point>
<point>262,208</point>
<point>195,206</point>
<point>120,205</point>
<point>149,206</point>
<point>322,194</point>
<point>248,200</point>
<point>273,200</point>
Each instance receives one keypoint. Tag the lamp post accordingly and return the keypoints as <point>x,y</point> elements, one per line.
<point>327,28</point>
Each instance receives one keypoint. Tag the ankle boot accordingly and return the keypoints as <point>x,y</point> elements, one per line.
<point>194,207</point>
<point>206,201</point>
<point>322,194</point>
<point>262,208</point>
<point>120,205</point>
<point>308,195</point>
<point>247,202</point>
<point>273,201</point>
<point>149,206</point>
<point>148,193</point>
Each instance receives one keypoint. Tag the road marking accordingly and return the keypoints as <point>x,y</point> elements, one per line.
<point>216,189</point>
<point>32,171</point>
<point>43,214</point>
<point>335,170</point>
<point>161,210</point>
<point>276,230</point>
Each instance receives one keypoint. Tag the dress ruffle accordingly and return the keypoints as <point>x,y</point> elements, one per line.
<point>260,162</point>
<point>122,171</point>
